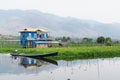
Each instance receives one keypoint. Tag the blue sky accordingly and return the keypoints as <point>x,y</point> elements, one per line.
<point>106,11</point>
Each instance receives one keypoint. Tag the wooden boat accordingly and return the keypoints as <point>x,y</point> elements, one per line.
<point>35,55</point>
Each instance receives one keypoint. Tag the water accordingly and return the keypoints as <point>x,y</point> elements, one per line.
<point>92,69</point>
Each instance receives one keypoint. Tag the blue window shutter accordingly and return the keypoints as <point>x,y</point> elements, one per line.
<point>42,35</point>
<point>46,35</point>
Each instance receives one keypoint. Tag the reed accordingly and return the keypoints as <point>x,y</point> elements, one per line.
<point>71,52</point>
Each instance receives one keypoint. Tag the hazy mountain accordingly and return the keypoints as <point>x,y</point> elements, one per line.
<point>12,21</point>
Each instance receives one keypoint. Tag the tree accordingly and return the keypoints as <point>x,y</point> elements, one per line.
<point>90,40</point>
<point>63,39</point>
<point>108,41</point>
<point>68,39</point>
<point>101,40</point>
<point>87,40</point>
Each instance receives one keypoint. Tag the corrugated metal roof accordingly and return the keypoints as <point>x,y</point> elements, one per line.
<point>34,30</point>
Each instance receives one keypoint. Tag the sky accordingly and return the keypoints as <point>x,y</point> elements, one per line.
<point>106,11</point>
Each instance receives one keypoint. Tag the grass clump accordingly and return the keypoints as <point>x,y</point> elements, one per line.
<point>71,52</point>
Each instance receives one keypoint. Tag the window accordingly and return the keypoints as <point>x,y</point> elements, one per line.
<point>39,36</point>
<point>29,34</point>
<point>47,36</point>
<point>35,35</point>
<point>23,35</point>
<point>42,35</point>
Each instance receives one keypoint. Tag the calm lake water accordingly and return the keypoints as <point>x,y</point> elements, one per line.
<point>92,69</point>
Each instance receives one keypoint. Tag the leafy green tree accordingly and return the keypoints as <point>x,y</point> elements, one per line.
<point>90,40</point>
<point>108,41</point>
<point>68,39</point>
<point>101,40</point>
<point>86,40</point>
<point>63,39</point>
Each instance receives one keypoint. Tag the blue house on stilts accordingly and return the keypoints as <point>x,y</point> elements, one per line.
<point>34,37</point>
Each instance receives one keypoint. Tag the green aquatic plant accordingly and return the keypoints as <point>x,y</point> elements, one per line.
<point>71,52</point>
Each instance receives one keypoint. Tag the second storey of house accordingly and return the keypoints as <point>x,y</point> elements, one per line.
<point>34,34</point>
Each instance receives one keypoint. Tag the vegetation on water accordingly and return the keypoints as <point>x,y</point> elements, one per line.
<point>71,52</point>
<point>86,49</point>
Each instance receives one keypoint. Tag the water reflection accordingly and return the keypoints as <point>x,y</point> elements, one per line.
<point>92,69</point>
<point>31,63</point>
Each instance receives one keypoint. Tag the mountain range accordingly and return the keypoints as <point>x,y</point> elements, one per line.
<point>13,21</point>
